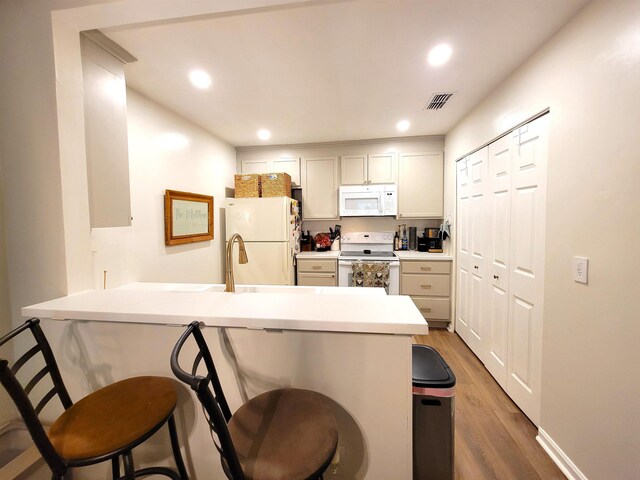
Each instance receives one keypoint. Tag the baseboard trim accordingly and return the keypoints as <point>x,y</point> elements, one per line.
<point>564,463</point>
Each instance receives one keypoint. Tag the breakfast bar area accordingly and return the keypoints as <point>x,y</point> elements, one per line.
<point>351,345</point>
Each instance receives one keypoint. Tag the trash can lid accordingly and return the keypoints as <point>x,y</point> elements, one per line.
<point>429,369</point>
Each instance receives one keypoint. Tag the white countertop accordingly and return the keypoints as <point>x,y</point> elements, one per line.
<point>328,309</point>
<point>415,255</point>
<point>327,254</point>
<point>401,254</point>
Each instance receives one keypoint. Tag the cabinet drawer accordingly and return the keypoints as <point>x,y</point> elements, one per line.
<point>435,308</point>
<point>425,266</point>
<point>317,279</point>
<point>431,285</point>
<point>320,265</point>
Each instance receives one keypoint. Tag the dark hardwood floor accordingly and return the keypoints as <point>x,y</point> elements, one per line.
<point>494,439</point>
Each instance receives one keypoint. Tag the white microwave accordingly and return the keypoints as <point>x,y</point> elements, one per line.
<point>368,200</point>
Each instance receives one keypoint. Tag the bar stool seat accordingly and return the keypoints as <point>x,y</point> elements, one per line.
<point>114,419</point>
<point>284,434</point>
<point>106,425</point>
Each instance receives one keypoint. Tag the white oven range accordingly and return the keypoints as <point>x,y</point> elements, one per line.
<point>368,246</point>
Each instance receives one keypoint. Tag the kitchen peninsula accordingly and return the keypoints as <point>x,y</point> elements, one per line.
<point>353,345</point>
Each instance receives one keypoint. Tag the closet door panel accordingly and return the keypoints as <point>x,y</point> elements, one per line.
<point>526,279</point>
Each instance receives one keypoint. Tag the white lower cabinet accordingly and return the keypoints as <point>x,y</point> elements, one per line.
<point>317,272</point>
<point>501,204</point>
<point>429,285</point>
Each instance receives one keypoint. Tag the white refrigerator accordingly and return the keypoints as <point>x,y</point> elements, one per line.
<point>270,228</point>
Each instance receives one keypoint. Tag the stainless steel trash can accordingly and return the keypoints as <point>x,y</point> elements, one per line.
<point>433,415</point>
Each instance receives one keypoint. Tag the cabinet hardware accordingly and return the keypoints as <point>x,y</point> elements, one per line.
<point>425,310</point>
<point>476,267</point>
<point>496,277</point>
<point>425,286</point>
<point>425,268</point>
<point>317,267</point>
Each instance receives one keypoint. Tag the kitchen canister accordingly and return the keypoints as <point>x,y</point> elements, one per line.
<point>413,238</point>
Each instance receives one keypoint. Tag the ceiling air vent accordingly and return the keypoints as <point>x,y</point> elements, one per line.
<point>437,101</point>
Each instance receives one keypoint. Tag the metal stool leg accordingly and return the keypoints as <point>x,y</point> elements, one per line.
<point>127,460</point>
<point>175,446</point>
<point>115,468</point>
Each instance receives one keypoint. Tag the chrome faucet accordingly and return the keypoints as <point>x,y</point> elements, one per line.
<point>229,281</point>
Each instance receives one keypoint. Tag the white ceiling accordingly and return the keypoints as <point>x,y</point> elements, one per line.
<point>332,71</point>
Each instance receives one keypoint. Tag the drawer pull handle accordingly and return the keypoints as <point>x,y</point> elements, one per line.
<point>317,267</point>
<point>426,309</point>
<point>425,286</point>
<point>425,268</point>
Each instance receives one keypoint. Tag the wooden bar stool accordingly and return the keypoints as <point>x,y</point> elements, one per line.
<point>105,425</point>
<point>284,434</point>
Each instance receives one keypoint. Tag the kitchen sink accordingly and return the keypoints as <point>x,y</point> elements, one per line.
<point>268,289</point>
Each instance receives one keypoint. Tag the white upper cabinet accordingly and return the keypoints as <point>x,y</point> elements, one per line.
<point>354,170</point>
<point>368,169</point>
<point>420,185</point>
<point>256,166</point>
<point>290,165</point>
<point>320,188</point>
<point>106,140</point>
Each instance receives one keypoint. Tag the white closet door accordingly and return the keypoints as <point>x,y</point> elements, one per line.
<point>497,284</point>
<point>526,288</point>
<point>475,258</point>
<point>463,251</point>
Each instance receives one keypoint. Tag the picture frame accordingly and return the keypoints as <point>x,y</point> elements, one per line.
<point>188,217</point>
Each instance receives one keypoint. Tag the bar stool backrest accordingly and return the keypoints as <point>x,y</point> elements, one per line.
<point>210,395</point>
<point>20,394</point>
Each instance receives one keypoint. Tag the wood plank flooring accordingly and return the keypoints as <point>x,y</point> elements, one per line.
<point>494,439</point>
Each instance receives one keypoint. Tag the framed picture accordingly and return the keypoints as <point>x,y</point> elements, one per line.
<point>188,217</point>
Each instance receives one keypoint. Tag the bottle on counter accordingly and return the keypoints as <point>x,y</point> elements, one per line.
<point>405,241</point>
<point>396,241</point>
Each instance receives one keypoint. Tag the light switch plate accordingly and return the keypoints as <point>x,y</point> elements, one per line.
<point>581,269</point>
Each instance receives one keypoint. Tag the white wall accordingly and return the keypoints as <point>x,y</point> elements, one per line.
<point>204,164</point>
<point>589,77</point>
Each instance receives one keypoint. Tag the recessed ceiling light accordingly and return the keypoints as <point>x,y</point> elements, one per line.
<point>264,134</point>
<point>439,55</point>
<point>200,79</point>
<point>403,125</point>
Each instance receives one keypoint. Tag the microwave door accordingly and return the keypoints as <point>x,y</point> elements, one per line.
<point>360,204</point>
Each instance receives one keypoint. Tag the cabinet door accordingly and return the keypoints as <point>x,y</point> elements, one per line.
<point>499,208</point>
<point>320,188</point>
<point>317,279</point>
<point>420,185</point>
<point>381,168</point>
<point>526,281</point>
<point>354,170</point>
<point>106,137</point>
<point>290,165</point>
<point>256,166</point>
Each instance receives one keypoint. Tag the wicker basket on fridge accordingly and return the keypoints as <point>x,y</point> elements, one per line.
<point>248,185</point>
<point>276,185</point>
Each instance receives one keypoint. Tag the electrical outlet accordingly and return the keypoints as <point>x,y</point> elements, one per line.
<point>581,269</point>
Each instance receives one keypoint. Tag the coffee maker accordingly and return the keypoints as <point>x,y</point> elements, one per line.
<point>434,242</point>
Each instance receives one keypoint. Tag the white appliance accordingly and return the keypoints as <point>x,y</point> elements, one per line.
<point>368,246</point>
<point>270,228</point>
<point>368,200</point>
